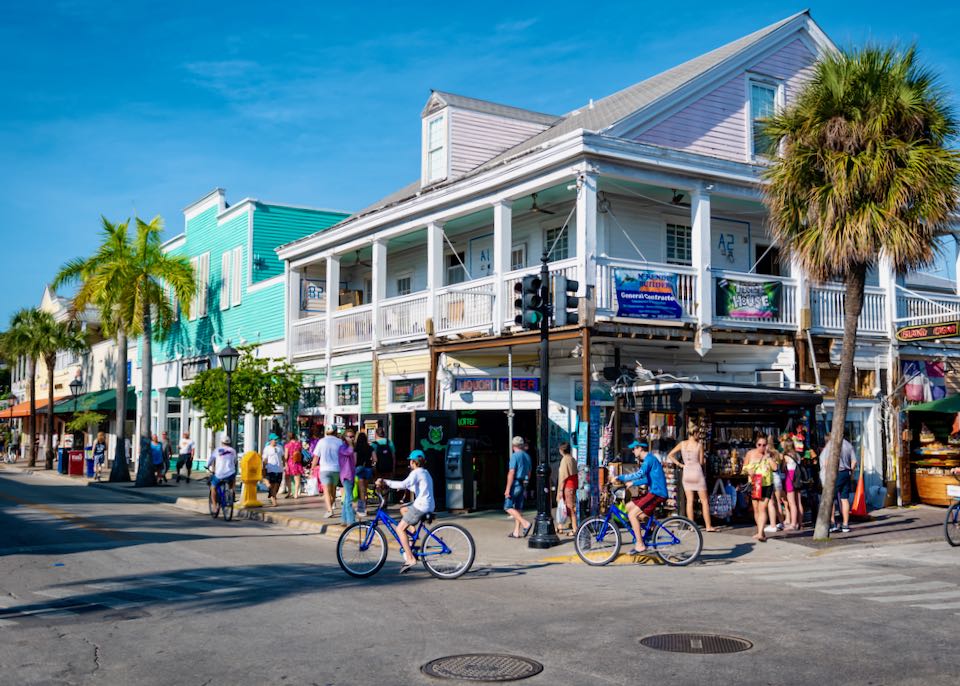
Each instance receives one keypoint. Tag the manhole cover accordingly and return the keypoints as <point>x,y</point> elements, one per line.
<point>701,644</point>
<point>482,667</point>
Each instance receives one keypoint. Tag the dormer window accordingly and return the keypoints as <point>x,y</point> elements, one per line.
<point>435,151</point>
<point>765,99</point>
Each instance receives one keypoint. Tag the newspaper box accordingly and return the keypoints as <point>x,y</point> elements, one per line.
<point>76,462</point>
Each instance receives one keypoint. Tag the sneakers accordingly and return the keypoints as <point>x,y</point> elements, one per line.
<point>834,528</point>
<point>845,529</point>
<point>780,526</point>
<point>769,529</point>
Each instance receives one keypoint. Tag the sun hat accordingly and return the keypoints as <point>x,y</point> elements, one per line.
<point>518,441</point>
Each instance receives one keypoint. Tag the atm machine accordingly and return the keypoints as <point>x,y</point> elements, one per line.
<point>458,463</point>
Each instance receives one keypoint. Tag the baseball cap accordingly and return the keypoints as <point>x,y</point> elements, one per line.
<point>272,437</point>
<point>417,455</point>
<point>226,440</point>
<point>518,441</point>
<point>638,444</point>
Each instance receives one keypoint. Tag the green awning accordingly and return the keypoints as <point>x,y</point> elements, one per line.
<point>950,404</point>
<point>98,401</point>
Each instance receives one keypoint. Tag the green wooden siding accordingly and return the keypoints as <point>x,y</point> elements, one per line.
<point>362,373</point>
<point>274,225</point>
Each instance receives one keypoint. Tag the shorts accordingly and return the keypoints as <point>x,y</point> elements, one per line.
<point>228,480</point>
<point>365,473</point>
<point>515,500</point>
<point>330,478</point>
<point>765,493</point>
<point>100,459</point>
<point>791,476</point>
<point>648,503</point>
<point>778,482</point>
<point>185,460</point>
<point>413,516</point>
<point>275,477</point>
<point>844,484</point>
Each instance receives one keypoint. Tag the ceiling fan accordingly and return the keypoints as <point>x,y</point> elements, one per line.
<point>358,262</point>
<point>536,208</point>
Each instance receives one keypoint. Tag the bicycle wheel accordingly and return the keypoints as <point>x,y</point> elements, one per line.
<point>355,556</point>
<point>213,502</point>
<point>597,541</point>
<point>951,525</point>
<point>448,551</point>
<point>228,498</point>
<point>678,541</point>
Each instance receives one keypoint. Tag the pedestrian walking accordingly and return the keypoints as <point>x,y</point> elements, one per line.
<point>568,480</point>
<point>185,452</point>
<point>518,473</point>
<point>156,457</point>
<point>385,453</point>
<point>326,456</point>
<point>273,467</point>
<point>694,480</point>
<point>844,484</point>
<point>347,459</point>
<point>99,455</point>
<point>167,454</point>
<point>294,459</point>
<point>364,473</point>
<point>759,465</point>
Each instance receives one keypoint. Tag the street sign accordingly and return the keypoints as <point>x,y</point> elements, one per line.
<point>929,332</point>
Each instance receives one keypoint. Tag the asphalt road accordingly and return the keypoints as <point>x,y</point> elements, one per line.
<point>102,588</point>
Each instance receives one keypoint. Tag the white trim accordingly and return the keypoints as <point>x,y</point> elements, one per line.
<point>245,205</point>
<point>779,102</point>
<point>408,406</point>
<point>215,198</point>
<point>236,269</point>
<point>226,264</point>
<point>174,242</point>
<point>425,177</point>
<point>249,279</point>
<point>345,409</point>
<point>272,281</point>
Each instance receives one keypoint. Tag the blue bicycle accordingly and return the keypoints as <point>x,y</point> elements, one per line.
<point>447,550</point>
<point>675,540</point>
<point>223,501</point>
<point>951,525</point>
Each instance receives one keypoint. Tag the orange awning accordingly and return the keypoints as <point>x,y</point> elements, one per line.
<point>23,409</point>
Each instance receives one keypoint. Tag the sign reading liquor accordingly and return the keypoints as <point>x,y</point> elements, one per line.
<point>748,300</point>
<point>474,384</point>
<point>646,295</point>
<point>929,332</point>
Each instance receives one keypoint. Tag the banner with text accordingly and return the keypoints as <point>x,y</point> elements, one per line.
<point>646,294</point>
<point>748,300</point>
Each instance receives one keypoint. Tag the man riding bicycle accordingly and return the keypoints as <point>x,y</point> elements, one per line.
<point>421,483</point>
<point>650,475</point>
<point>223,464</point>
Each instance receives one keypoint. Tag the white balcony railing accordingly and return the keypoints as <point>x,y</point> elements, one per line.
<point>826,310</point>
<point>465,306</point>
<point>353,327</point>
<point>308,336</point>
<point>567,268</point>
<point>916,308</point>
<point>785,316</point>
<point>403,318</point>
<point>607,293</point>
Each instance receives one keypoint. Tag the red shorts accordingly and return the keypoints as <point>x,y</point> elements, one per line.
<point>648,503</point>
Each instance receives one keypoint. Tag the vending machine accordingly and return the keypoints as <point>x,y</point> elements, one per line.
<point>458,469</point>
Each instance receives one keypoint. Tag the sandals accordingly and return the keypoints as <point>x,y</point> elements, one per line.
<point>526,531</point>
<point>406,567</point>
<point>513,535</point>
<point>634,551</point>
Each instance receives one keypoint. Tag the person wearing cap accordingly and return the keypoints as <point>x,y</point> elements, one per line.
<point>518,474</point>
<point>273,466</point>
<point>223,464</point>
<point>421,483</point>
<point>650,475</point>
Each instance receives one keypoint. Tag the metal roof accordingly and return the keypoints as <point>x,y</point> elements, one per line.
<point>487,107</point>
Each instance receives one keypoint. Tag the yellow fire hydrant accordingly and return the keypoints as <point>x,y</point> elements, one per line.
<point>251,465</point>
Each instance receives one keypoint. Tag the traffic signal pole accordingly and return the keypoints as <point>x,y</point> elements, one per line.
<point>544,534</point>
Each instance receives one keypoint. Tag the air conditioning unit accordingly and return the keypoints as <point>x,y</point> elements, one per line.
<point>769,377</point>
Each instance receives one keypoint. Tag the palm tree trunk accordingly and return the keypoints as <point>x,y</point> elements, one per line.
<point>51,361</point>
<point>32,427</point>
<point>145,475</point>
<point>852,306</point>
<point>121,470</point>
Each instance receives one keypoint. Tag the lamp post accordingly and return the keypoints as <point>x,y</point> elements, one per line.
<point>228,360</point>
<point>75,387</point>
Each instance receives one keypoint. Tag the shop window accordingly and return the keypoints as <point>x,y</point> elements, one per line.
<point>679,245</point>
<point>557,242</point>
<point>348,394</point>
<point>315,396</point>
<point>408,391</point>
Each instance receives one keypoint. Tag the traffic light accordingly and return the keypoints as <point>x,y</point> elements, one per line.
<point>530,302</point>
<point>565,300</point>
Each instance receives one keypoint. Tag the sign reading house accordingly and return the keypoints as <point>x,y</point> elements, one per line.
<point>929,332</point>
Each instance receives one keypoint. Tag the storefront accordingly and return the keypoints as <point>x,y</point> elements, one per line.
<point>312,409</point>
<point>932,445</point>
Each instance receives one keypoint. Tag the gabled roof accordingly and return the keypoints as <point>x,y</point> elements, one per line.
<point>487,107</point>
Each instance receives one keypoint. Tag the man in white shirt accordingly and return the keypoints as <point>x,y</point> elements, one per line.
<point>326,456</point>
<point>223,464</point>
<point>185,455</point>
<point>421,483</point>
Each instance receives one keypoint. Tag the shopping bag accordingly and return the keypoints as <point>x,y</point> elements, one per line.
<point>756,490</point>
<point>859,508</point>
<point>313,486</point>
<point>721,504</point>
<point>562,514</point>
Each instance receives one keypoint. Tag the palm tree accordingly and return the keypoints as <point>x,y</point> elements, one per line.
<point>864,170</point>
<point>54,337</point>
<point>22,339</point>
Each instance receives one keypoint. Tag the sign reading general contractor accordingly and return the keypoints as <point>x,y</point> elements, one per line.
<point>646,294</point>
<point>929,332</point>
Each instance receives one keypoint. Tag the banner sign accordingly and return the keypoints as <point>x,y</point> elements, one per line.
<point>313,295</point>
<point>748,300</point>
<point>929,332</point>
<point>646,294</point>
<point>478,384</point>
<point>190,368</point>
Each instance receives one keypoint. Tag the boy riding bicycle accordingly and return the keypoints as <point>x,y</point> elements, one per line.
<point>223,464</point>
<point>650,475</point>
<point>421,483</point>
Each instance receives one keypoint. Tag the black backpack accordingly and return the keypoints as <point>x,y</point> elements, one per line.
<point>804,477</point>
<point>384,458</point>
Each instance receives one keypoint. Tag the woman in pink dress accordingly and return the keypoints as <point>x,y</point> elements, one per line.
<point>694,480</point>
<point>294,464</point>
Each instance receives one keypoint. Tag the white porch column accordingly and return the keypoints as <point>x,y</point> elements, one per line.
<point>801,300</point>
<point>292,310</point>
<point>586,233</point>
<point>888,282</point>
<point>161,418</point>
<point>378,285</point>
<point>502,248</point>
<point>333,297</point>
<point>249,432</point>
<point>434,267</point>
<point>701,242</point>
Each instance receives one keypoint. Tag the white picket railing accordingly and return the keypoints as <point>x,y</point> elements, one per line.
<point>826,309</point>
<point>607,292</point>
<point>403,318</point>
<point>785,317</point>
<point>465,306</point>
<point>308,336</point>
<point>916,308</point>
<point>353,327</point>
<point>567,268</point>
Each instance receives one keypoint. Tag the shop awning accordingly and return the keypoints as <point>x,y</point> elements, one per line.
<point>673,396</point>
<point>97,401</point>
<point>23,409</point>
<point>950,404</point>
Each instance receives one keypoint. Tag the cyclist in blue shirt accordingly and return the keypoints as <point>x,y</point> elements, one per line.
<point>650,475</point>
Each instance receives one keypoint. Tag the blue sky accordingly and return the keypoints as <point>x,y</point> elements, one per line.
<point>142,107</point>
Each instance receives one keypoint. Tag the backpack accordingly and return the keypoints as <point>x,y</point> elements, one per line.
<point>384,458</point>
<point>803,476</point>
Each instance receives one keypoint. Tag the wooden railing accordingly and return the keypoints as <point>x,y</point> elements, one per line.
<point>567,268</point>
<point>353,327</point>
<point>826,310</point>
<point>465,306</point>
<point>403,318</point>
<point>784,318</point>
<point>607,294</point>
<point>308,336</point>
<point>916,308</point>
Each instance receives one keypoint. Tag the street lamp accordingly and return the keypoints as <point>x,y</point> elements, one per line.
<point>75,387</point>
<point>228,361</point>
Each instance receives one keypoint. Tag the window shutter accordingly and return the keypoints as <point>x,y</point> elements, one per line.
<point>204,285</point>
<point>195,303</point>
<point>225,280</point>
<point>237,290</point>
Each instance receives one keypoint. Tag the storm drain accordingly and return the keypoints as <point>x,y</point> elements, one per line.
<point>482,667</point>
<point>701,644</point>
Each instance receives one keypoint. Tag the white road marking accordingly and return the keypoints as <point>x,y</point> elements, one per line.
<point>55,593</point>
<point>946,595</point>
<point>940,606</point>
<point>896,588</point>
<point>863,579</point>
<point>7,622</point>
<point>813,575</point>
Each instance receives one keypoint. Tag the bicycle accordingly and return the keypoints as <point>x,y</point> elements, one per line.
<point>224,501</point>
<point>447,551</point>
<point>675,540</point>
<point>951,524</point>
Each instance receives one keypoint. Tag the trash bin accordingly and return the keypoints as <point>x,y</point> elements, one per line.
<point>76,462</point>
<point>88,460</point>
<point>62,460</point>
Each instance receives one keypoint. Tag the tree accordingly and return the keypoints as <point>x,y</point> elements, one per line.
<point>53,337</point>
<point>260,384</point>
<point>864,171</point>
<point>22,339</point>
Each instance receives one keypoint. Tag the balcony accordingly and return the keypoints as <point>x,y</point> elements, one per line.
<point>465,307</point>
<point>916,308</point>
<point>754,300</point>
<point>403,318</point>
<point>682,278</point>
<point>308,336</point>
<point>567,268</point>
<point>826,310</point>
<point>352,327</point>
